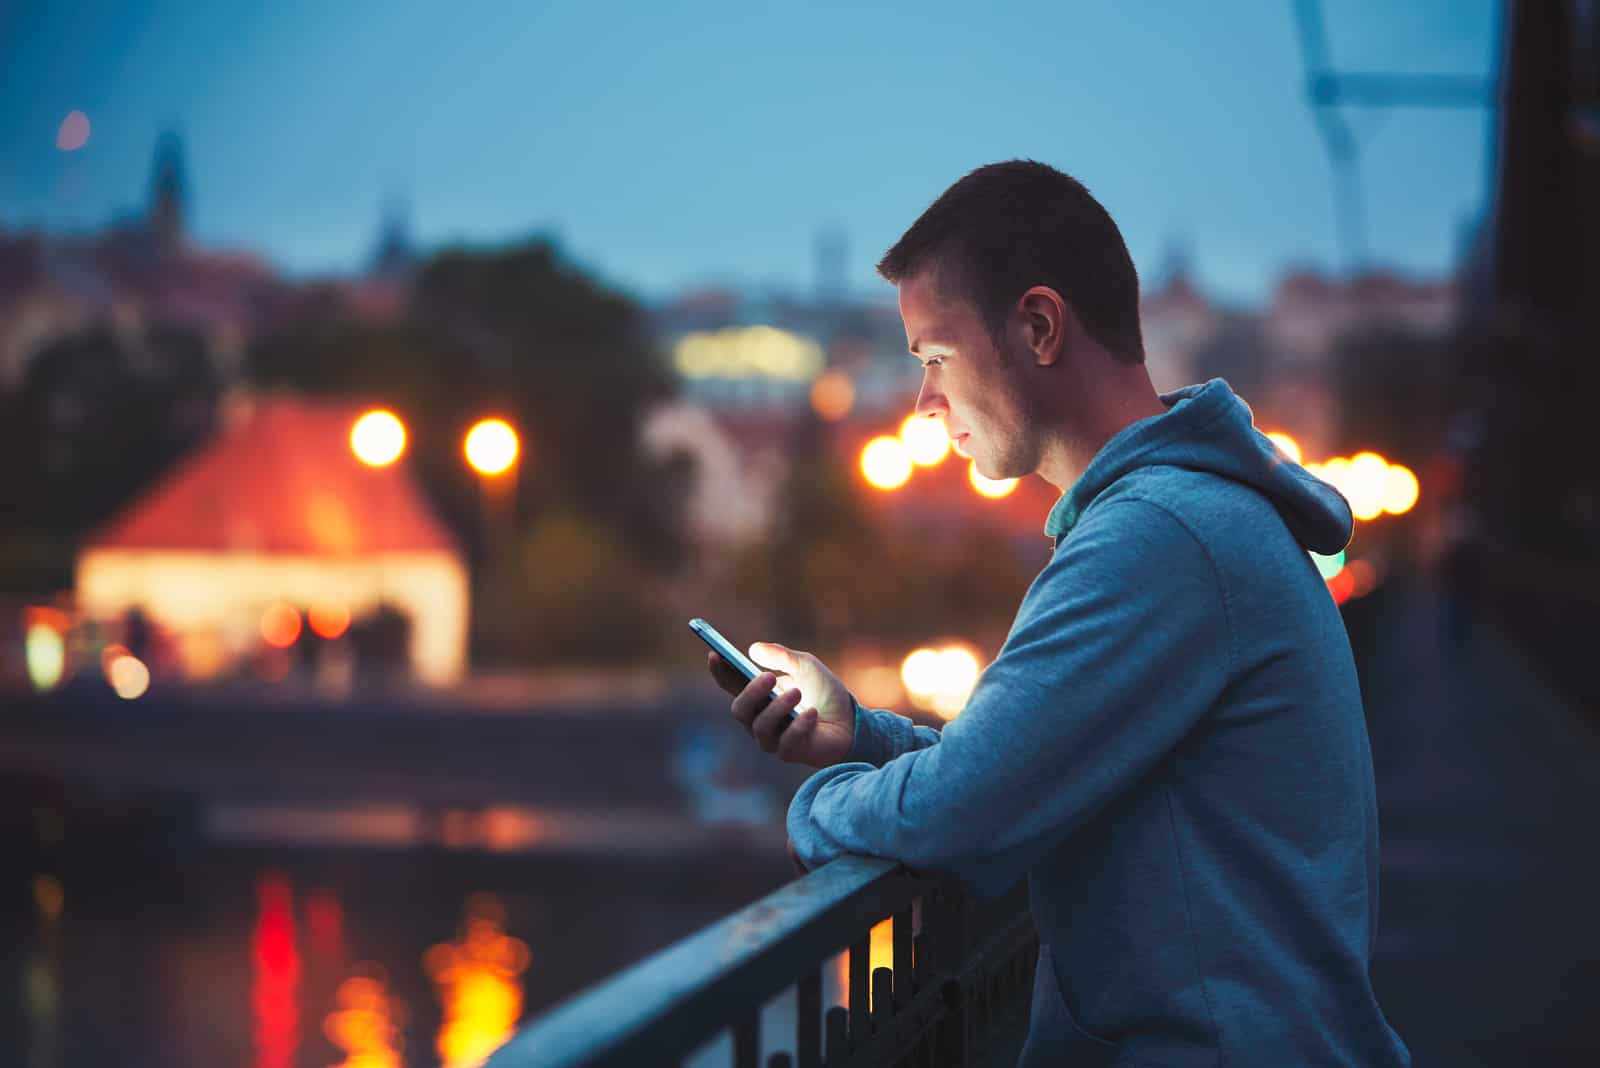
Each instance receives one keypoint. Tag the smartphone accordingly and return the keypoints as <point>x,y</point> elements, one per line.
<point>725,649</point>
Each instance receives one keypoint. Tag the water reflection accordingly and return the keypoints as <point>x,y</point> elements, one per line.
<point>42,974</point>
<point>275,986</point>
<point>366,1023</point>
<point>478,984</point>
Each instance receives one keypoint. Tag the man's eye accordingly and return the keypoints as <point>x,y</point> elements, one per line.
<point>932,361</point>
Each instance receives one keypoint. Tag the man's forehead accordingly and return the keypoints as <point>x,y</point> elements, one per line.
<point>931,314</point>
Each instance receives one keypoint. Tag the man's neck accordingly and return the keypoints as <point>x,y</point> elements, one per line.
<point>1126,398</point>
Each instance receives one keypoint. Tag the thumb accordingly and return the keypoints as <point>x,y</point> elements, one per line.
<point>775,656</point>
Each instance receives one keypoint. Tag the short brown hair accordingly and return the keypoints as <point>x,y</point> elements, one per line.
<point>1009,226</point>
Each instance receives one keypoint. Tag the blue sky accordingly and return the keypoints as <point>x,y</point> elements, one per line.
<point>669,145</point>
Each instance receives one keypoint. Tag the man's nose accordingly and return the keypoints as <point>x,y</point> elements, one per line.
<point>930,402</point>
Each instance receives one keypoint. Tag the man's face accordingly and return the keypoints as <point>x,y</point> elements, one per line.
<point>969,383</point>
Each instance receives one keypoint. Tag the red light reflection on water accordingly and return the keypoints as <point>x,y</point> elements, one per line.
<point>275,990</point>
<point>325,924</point>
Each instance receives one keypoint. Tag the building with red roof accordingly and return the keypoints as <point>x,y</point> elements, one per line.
<point>278,510</point>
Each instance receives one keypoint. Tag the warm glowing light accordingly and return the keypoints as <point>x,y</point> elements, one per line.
<point>378,438</point>
<point>879,955</point>
<point>958,674</point>
<point>1328,566</point>
<point>920,673</point>
<point>477,980</point>
<point>885,463</point>
<point>1336,473</point>
<point>329,620</point>
<point>748,352</point>
<point>366,1024</point>
<point>1341,586</point>
<point>1363,578</point>
<point>1366,481</point>
<point>49,897</point>
<point>129,677</point>
<point>925,440</point>
<point>940,680</point>
<point>1400,490</point>
<point>46,655</point>
<point>833,395</point>
<point>274,991</point>
<point>1286,445</point>
<point>491,447</point>
<point>878,686</point>
<point>74,132</point>
<point>993,488</point>
<point>280,625</point>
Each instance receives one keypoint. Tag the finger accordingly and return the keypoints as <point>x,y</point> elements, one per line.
<point>775,656</point>
<point>797,735</point>
<point>753,698</point>
<point>725,674</point>
<point>773,719</point>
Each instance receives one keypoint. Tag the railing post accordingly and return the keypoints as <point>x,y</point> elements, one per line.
<point>944,919</point>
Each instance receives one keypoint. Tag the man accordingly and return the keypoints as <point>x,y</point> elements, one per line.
<point>1170,744</point>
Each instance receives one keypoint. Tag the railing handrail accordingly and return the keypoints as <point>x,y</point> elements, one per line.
<point>663,1007</point>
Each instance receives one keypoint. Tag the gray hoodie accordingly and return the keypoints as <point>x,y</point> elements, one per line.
<point>1171,747</point>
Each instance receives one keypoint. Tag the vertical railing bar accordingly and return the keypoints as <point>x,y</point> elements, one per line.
<point>747,1039</point>
<point>838,1027</point>
<point>882,996</point>
<point>860,963</point>
<point>808,1020</point>
<point>905,984</point>
<point>778,1060</point>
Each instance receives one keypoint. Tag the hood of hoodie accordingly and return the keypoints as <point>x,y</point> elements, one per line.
<point>1209,428</point>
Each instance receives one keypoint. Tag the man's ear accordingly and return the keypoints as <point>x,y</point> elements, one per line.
<point>1047,323</point>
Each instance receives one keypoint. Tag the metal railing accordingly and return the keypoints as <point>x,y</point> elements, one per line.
<point>957,994</point>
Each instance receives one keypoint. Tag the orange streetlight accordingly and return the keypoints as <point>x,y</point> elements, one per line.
<point>378,438</point>
<point>885,463</point>
<point>925,441</point>
<point>992,488</point>
<point>491,447</point>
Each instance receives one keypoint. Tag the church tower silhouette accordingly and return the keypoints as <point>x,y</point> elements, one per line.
<point>169,194</point>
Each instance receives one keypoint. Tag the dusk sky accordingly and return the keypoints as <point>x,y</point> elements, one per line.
<point>673,145</point>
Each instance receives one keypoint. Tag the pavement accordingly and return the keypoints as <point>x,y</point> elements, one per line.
<point>1489,799</point>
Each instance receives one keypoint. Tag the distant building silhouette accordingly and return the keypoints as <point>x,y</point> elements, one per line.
<point>393,254</point>
<point>169,195</point>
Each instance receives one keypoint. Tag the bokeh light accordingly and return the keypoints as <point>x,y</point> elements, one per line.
<point>1286,445</point>
<point>1400,490</point>
<point>73,133</point>
<point>491,446</point>
<point>885,463</point>
<point>129,677</point>
<point>1329,566</point>
<point>280,625</point>
<point>479,988</point>
<point>940,680</point>
<point>46,655</point>
<point>1363,578</point>
<point>925,440</point>
<point>1366,481</point>
<point>378,438</point>
<point>920,673</point>
<point>329,620</point>
<point>993,488</point>
<point>833,395</point>
<point>958,674</point>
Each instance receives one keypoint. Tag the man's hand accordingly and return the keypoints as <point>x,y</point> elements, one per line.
<point>822,731</point>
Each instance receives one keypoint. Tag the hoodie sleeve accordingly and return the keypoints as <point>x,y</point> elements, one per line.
<point>882,735</point>
<point>1121,645</point>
